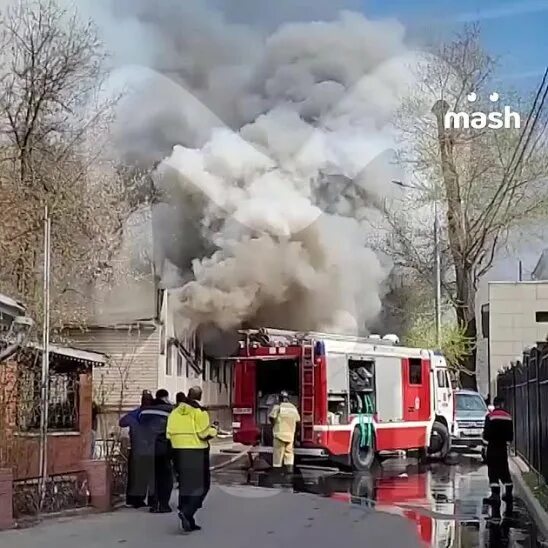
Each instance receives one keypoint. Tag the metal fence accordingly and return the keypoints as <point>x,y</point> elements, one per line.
<point>524,386</point>
<point>63,400</point>
<point>116,452</point>
<point>61,493</point>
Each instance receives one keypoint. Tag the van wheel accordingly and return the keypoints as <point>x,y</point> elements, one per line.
<point>440,441</point>
<point>362,458</point>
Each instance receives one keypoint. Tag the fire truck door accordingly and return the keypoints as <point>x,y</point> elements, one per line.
<point>416,389</point>
<point>244,394</point>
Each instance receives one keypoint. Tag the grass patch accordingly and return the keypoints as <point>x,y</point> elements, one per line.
<point>538,487</point>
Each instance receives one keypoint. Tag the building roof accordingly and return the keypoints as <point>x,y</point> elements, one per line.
<point>75,353</point>
<point>519,283</point>
<point>11,305</point>
<point>540,272</point>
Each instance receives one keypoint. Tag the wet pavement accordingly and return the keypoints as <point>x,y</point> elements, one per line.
<point>443,502</point>
<point>401,504</point>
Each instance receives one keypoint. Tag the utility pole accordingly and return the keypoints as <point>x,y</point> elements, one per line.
<point>44,399</point>
<point>437,256</point>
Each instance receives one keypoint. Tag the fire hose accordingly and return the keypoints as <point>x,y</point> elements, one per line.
<point>235,458</point>
<point>365,423</point>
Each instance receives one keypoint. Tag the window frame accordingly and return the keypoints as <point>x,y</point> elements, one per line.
<point>169,360</point>
<point>179,362</point>
<point>412,370</point>
<point>442,374</point>
<point>541,316</point>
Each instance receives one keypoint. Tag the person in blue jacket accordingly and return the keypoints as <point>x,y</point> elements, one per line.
<point>156,474</point>
<point>131,421</point>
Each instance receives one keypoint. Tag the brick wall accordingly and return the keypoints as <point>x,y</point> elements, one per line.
<point>66,450</point>
<point>6,506</point>
<point>68,453</point>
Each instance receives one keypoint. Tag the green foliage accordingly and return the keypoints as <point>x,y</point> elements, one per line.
<point>538,486</point>
<point>455,345</point>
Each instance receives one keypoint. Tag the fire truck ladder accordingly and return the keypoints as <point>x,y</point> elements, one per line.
<point>307,392</point>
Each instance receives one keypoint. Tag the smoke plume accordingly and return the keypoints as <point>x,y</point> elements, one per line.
<point>273,155</point>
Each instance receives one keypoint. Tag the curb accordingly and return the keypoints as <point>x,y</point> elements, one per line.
<point>538,513</point>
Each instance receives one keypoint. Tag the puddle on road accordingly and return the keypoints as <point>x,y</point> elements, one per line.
<point>445,503</point>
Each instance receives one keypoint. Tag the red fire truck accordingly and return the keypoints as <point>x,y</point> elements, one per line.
<point>359,398</point>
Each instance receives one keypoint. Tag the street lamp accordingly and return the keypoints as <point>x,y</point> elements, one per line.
<point>437,255</point>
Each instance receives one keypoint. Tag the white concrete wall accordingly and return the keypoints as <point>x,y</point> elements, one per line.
<point>513,306</point>
<point>175,376</point>
<point>524,244</point>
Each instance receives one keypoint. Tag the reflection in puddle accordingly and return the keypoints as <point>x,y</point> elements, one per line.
<point>444,502</point>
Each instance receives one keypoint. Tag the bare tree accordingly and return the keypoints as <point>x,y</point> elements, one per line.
<point>54,127</point>
<point>487,180</point>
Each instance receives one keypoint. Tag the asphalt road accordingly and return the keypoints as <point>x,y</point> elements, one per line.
<point>401,504</point>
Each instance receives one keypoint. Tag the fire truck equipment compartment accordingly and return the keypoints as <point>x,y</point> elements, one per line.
<point>273,376</point>
<point>337,379</point>
<point>389,384</point>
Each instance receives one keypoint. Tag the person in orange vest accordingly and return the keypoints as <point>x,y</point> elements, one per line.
<point>284,418</point>
<point>498,433</point>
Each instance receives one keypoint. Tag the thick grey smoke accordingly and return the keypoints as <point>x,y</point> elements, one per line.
<point>273,158</point>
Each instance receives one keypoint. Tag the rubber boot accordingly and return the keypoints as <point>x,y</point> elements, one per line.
<point>494,498</point>
<point>289,469</point>
<point>277,476</point>
<point>508,496</point>
<point>495,511</point>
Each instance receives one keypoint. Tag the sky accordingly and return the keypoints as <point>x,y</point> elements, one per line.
<point>513,30</point>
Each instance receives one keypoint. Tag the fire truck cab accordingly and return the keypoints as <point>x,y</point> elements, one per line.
<point>359,398</point>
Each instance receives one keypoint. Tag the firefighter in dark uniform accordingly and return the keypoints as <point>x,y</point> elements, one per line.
<point>498,433</point>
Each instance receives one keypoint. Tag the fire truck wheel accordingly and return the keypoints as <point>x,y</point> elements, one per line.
<point>440,441</point>
<point>363,487</point>
<point>362,458</point>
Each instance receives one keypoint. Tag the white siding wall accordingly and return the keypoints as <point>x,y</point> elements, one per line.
<point>513,325</point>
<point>132,366</point>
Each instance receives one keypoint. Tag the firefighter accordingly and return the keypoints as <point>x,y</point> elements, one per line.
<point>498,432</point>
<point>284,418</point>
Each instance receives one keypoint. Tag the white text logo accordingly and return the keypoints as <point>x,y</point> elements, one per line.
<point>507,119</point>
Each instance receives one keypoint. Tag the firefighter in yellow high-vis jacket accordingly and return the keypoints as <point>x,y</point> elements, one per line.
<point>284,418</point>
